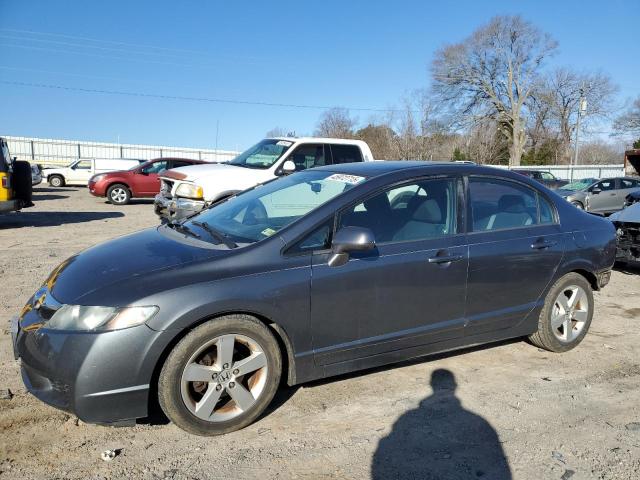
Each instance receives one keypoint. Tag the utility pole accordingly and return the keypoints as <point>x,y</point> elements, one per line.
<point>582,108</point>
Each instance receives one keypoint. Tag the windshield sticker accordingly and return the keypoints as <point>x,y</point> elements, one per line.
<point>349,179</point>
<point>267,232</point>
<point>284,143</point>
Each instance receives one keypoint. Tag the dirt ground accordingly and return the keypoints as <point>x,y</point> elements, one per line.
<point>504,411</point>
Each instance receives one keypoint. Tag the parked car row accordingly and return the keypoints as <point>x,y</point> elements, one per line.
<point>407,259</point>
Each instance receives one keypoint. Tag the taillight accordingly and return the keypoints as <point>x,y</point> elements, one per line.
<point>5,182</point>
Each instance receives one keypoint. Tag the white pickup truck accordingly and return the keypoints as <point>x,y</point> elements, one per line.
<point>187,190</point>
<point>80,171</point>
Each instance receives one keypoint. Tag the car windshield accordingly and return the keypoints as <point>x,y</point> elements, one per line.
<point>264,210</point>
<point>578,185</point>
<point>263,154</point>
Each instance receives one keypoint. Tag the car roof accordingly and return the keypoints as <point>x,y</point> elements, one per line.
<point>382,167</point>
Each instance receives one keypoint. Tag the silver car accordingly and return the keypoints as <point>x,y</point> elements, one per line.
<point>604,196</point>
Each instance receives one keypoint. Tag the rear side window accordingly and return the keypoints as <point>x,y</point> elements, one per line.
<point>499,204</point>
<point>346,153</point>
<point>628,183</point>
<point>180,163</point>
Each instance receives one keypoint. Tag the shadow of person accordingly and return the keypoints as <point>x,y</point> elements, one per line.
<point>440,440</point>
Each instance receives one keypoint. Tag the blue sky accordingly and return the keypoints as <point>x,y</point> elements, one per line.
<point>358,53</point>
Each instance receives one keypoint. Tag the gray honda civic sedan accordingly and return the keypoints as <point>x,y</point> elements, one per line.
<point>322,272</point>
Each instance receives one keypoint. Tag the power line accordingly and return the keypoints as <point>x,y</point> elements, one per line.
<point>194,99</point>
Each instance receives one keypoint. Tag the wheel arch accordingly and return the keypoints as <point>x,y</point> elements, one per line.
<point>279,333</point>
<point>117,182</point>
<point>589,276</point>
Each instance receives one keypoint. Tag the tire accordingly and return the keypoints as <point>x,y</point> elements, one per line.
<point>209,407</point>
<point>556,319</point>
<point>577,204</point>
<point>56,181</point>
<point>119,194</point>
<point>22,184</point>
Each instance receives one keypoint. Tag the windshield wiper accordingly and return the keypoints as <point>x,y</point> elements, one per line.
<point>221,237</point>
<point>182,228</point>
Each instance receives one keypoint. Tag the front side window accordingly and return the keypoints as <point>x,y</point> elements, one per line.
<point>346,153</point>
<point>308,156</point>
<point>261,212</point>
<point>415,211</point>
<point>262,155</point>
<point>155,167</point>
<point>500,204</point>
<point>605,185</point>
<point>547,176</point>
<point>83,165</point>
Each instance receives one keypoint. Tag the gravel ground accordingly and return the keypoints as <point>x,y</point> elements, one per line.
<point>505,411</point>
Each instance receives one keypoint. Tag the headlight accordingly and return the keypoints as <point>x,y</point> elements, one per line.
<point>96,178</point>
<point>189,190</point>
<point>80,317</point>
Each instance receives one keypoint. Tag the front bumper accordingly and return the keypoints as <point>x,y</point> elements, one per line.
<point>100,377</point>
<point>176,209</point>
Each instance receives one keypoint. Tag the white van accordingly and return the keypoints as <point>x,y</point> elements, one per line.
<point>80,171</point>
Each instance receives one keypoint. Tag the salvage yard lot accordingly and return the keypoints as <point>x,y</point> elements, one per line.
<point>573,415</point>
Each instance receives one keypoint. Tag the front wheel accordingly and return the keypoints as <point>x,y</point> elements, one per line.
<point>56,181</point>
<point>566,315</point>
<point>221,376</point>
<point>118,194</point>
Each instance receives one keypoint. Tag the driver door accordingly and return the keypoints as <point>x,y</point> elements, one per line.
<point>80,173</point>
<point>148,181</point>
<point>604,199</point>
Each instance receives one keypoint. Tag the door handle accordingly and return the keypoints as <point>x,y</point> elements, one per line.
<point>445,258</point>
<point>542,245</point>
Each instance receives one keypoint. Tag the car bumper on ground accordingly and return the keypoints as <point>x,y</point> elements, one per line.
<point>11,205</point>
<point>176,209</point>
<point>100,377</point>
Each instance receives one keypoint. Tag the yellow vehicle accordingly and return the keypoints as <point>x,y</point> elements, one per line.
<point>15,182</point>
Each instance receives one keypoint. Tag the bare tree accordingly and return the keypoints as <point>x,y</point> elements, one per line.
<point>336,122</point>
<point>629,122</point>
<point>491,74</point>
<point>276,132</point>
<point>381,140</point>
<point>562,90</point>
<point>599,152</point>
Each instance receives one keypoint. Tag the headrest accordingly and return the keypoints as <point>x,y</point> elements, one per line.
<point>429,212</point>
<point>511,204</point>
<point>379,203</point>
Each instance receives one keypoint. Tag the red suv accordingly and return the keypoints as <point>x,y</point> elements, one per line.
<point>141,181</point>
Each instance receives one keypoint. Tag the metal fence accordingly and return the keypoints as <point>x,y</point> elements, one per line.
<point>62,152</point>
<point>577,172</point>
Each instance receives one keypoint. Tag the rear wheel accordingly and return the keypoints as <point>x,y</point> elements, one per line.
<point>56,181</point>
<point>221,376</point>
<point>118,194</point>
<point>577,204</point>
<point>566,315</point>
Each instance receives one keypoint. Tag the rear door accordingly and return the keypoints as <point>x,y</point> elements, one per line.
<point>627,185</point>
<point>345,153</point>
<point>515,246</point>
<point>408,292</point>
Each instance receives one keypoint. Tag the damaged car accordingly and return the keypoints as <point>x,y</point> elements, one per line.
<point>627,223</point>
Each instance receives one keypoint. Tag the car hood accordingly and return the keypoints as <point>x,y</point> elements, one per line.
<point>193,173</point>
<point>631,214</point>
<point>124,261</point>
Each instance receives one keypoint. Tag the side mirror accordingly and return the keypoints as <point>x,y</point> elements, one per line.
<point>350,239</point>
<point>595,191</point>
<point>288,167</point>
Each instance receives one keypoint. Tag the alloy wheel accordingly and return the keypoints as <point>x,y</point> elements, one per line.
<point>224,378</point>
<point>118,195</point>
<point>570,313</point>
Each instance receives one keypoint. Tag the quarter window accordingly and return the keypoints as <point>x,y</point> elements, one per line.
<point>498,204</point>
<point>546,211</point>
<point>415,211</point>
